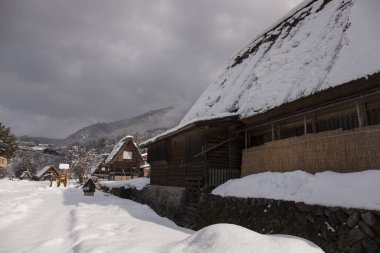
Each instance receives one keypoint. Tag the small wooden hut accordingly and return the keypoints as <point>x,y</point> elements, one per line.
<point>25,175</point>
<point>89,188</point>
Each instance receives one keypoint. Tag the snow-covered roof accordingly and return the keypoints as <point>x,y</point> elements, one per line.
<point>24,173</point>
<point>118,146</point>
<point>44,169</point>
<point>318,45</point>
<point>185,125</point>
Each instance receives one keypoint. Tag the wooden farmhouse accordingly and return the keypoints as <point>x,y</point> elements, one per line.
<point>25,175</point>
<point>124,161</point>
<point>304,95</point>
<point>46,173</point>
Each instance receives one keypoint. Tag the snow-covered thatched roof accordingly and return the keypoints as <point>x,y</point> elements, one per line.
<point>318,45</point>
<point>25,173</point>
<point>44,169</point>
<point>119,145</point>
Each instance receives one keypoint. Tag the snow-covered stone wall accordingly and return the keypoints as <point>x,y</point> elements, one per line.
<point>333,229</point>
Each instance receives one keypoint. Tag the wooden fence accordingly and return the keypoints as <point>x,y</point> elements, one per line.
<point>340,151</point>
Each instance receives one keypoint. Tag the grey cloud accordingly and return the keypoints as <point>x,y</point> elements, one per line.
<point>79,62</point>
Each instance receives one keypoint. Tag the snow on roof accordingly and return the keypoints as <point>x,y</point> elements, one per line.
<point>94,166</point>
<point>183,125</point>
<point>43,170</point>
<point>146,165</point>
<point>351,190</point>
<point>317,45</point>
<point>118,146</point>
<point>24,173</point>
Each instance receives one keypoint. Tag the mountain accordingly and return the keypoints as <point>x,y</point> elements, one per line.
<point>142,127</point>
<point>318,45</point>
<point>147,124</point>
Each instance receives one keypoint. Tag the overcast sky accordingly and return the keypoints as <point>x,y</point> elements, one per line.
<point>67,64</point>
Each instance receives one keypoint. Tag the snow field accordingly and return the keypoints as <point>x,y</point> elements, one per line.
<point>63,220</point>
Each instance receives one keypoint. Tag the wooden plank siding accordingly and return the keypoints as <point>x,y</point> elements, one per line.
<point>188,157</point>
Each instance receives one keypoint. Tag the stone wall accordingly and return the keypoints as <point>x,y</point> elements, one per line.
<point>340,151</point>
<point>333,229</point>
<point>165,200</point>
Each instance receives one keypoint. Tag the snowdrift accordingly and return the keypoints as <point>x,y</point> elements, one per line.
<point>137,183</point>
<point>233,238</point>
<point>355,190</point>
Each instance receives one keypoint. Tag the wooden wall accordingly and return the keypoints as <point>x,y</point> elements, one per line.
<point>340,151</point>
<point>186,157</point>
<point>223,163</point>
<point>123,169</point>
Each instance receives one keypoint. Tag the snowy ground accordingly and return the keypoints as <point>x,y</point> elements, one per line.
<point>358,190</point>
<point>37,218</point>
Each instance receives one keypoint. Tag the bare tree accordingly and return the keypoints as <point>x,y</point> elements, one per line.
<point>80,160</point>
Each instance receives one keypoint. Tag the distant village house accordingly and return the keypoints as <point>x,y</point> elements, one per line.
<point>124,161</point>
<point>46,173</point>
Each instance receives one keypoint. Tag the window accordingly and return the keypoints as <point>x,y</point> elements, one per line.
<point>373,116</point>
<point>127,155</point>
<point>345,122</point>
<point>258,140</point>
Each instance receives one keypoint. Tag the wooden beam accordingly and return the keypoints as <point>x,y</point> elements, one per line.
<point>214,147</point>
<point>361,114</point>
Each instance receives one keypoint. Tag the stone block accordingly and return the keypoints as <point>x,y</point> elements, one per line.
<point>302,207</point>
<point>353,219</point>
<point>369,218</point>
<point>317,210</point>
<point>370,246</point>
<point>376,227</point>
<point>355,235</point>
<point>356,249</point>
<point>367,229</point>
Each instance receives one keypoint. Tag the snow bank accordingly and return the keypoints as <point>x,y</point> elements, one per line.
<point>356,190</point>
<point>233,238</point>
<point>138,183</point>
